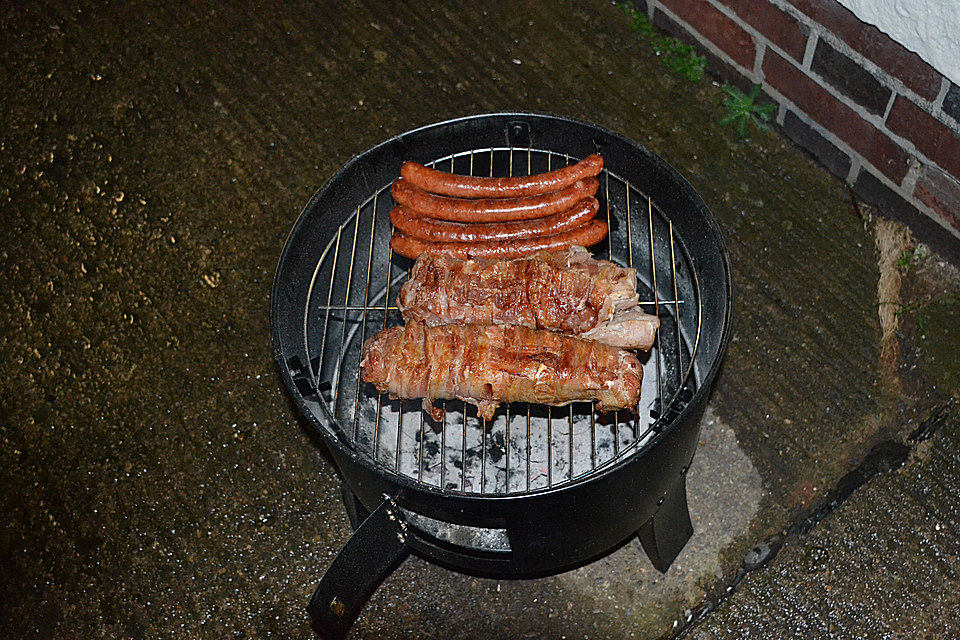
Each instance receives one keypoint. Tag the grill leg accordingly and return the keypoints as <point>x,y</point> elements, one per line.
<point>377,547</point>
<point>666,533</point>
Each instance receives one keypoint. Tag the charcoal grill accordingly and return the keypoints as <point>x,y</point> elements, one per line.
<point>536,490</point>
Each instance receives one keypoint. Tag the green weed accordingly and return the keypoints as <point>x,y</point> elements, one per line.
<point>909,258</point>
<point>742,108</point>
<point>679,57</point>
<point>920,308</point>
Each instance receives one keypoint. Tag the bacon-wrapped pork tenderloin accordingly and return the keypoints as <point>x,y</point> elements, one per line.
<point>567,291</point>
<point>488,364</point>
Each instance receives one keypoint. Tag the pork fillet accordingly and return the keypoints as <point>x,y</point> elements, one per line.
<point>567,291</point>
<point>488,364</point>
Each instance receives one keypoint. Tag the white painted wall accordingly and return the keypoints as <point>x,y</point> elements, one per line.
<point>929,28</point>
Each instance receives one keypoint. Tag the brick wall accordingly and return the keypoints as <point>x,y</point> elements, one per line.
<point>871,111</point>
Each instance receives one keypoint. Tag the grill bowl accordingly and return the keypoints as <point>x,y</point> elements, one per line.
<point>490,499</point>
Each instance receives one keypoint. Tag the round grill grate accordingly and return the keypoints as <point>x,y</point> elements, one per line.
<point>526,447</point>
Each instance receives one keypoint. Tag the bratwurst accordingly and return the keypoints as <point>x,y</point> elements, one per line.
<point>414,225</point>
<point>488,364</point>
<point>584,235</point>
<point>450,184</point>
<point>491,209</point>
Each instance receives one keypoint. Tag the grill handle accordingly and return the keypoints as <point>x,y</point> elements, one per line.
<point>376,548</point>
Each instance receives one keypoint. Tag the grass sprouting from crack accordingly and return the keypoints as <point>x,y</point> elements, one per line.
<point>743,108</point>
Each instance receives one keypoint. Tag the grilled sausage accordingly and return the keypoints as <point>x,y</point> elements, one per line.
<point>450,184</point>
<point>491,209</point>
<point>416,226</point>
<point>585,235</point>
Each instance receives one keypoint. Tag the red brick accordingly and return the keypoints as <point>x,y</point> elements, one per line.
<point>933,138</point>
<point>941,193</point>
<point>833,158</point>
<point>951,102</point>
<point>836,117</point>
<point>777,26</point>
<point>849,78</point>
<point>874,45</point>
<point>716,27</point>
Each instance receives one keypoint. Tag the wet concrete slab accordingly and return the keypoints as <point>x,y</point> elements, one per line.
<point>157,482</point>
<point>886,564</point>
